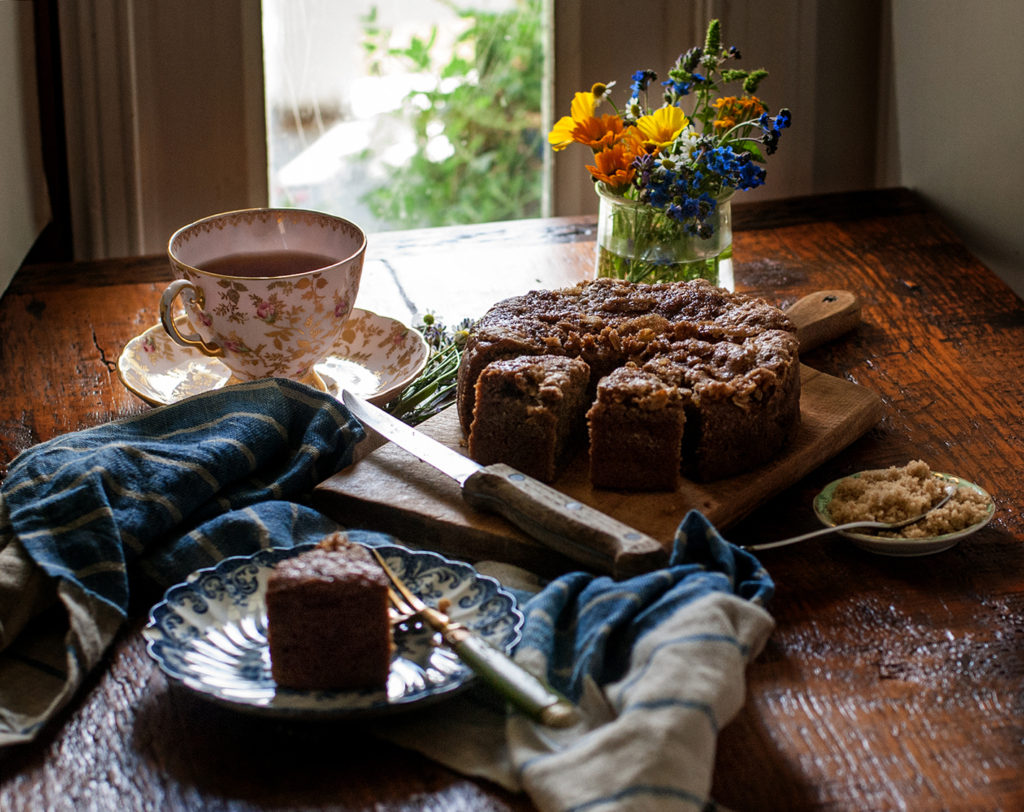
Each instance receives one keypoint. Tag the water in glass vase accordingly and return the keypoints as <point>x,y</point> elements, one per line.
<point>717,269</point>
<point>641,244</point>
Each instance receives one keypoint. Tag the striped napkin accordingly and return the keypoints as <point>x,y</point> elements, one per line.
<point>96,523</point>
<point>656,664</point>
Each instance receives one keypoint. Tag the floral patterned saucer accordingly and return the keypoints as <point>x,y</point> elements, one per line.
<point>375,356</point>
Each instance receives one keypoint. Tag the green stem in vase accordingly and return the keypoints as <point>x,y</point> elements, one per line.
<point>640,243</point>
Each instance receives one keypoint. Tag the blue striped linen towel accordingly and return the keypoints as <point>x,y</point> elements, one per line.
<point>656,663</point>
<point>94,522</point>
<point>99,521</point>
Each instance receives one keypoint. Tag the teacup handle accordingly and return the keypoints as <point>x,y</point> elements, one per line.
<point>167,318</point>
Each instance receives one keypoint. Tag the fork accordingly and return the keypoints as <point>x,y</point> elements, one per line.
<point>517,685</point>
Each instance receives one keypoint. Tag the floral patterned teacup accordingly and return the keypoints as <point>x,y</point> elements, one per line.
<point>266,291</point>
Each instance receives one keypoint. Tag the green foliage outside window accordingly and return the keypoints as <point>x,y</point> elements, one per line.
<point>487,106</point>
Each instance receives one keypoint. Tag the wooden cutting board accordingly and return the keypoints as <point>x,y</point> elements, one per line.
<point>391,491</point>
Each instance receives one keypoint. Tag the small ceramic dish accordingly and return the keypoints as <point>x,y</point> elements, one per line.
<point>375,357</point>
<point>209,634</point>
<point>904,547</point>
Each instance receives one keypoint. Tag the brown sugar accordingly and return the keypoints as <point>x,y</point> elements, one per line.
<point>900,492</point>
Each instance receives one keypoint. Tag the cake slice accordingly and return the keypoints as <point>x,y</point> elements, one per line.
<point>636,432</point>
<point>744,401</point>
<point>327,619</point>
<point>528,413</point>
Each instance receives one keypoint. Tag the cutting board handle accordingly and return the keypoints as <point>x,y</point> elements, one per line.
<point>823,316</point>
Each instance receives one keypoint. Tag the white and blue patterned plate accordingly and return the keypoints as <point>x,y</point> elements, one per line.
<point>209,634</point>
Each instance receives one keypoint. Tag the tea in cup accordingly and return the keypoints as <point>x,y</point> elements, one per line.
<point>267,291</point>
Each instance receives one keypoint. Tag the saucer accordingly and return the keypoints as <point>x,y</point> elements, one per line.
<point>375,357</point>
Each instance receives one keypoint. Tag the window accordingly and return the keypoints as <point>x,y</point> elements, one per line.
<point>155,140</point>
<point>406,113</point>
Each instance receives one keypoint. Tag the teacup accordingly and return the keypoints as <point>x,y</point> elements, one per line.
<point>266,291</point>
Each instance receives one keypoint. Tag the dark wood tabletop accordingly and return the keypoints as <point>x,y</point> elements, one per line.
<point>889,683</point>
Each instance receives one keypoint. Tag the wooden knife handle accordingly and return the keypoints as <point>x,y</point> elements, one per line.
<point>576,530</point>
<point>823,316</point>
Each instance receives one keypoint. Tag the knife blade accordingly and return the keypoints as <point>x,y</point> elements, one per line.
<point>564,524</point>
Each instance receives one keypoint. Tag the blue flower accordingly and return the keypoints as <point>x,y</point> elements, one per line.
<point>643,164</point>
<point>641,79</point>
<point>751,176</point>
<point>773,128</point>
<point>678,87</point>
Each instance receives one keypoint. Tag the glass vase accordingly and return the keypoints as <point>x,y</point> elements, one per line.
<point>642,244</point>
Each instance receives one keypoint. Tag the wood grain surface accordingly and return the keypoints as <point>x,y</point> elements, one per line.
<point>887,683</point>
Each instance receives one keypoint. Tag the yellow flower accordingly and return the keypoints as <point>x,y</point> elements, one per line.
<point>614,167</point>
<point>583,106</point>
<point>663,125</point>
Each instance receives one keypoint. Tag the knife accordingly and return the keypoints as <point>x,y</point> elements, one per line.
<point>576,530</point>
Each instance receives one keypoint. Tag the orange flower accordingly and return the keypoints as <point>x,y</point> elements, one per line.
<point>599,133</point>
<point>662,126</point>
<point>633,140</point>
<point>584,127</point>
<point>732,110</point>
<point>614,167</point>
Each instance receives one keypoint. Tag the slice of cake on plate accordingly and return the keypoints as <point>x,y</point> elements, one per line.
<point>327,619</point>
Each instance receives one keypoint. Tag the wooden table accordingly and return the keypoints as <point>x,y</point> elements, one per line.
<point>888,683</point>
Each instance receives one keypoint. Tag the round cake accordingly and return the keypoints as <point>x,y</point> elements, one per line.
<point>685,378</point>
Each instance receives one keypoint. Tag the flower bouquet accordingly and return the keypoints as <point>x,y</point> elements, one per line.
<point>665,178</point>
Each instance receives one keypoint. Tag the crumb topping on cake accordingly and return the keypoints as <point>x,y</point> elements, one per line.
<point>639,388</point>
<point>732,359</point>
<point>323,563</point>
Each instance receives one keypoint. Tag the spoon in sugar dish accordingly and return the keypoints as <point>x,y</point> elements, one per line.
<point>858,525</point>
